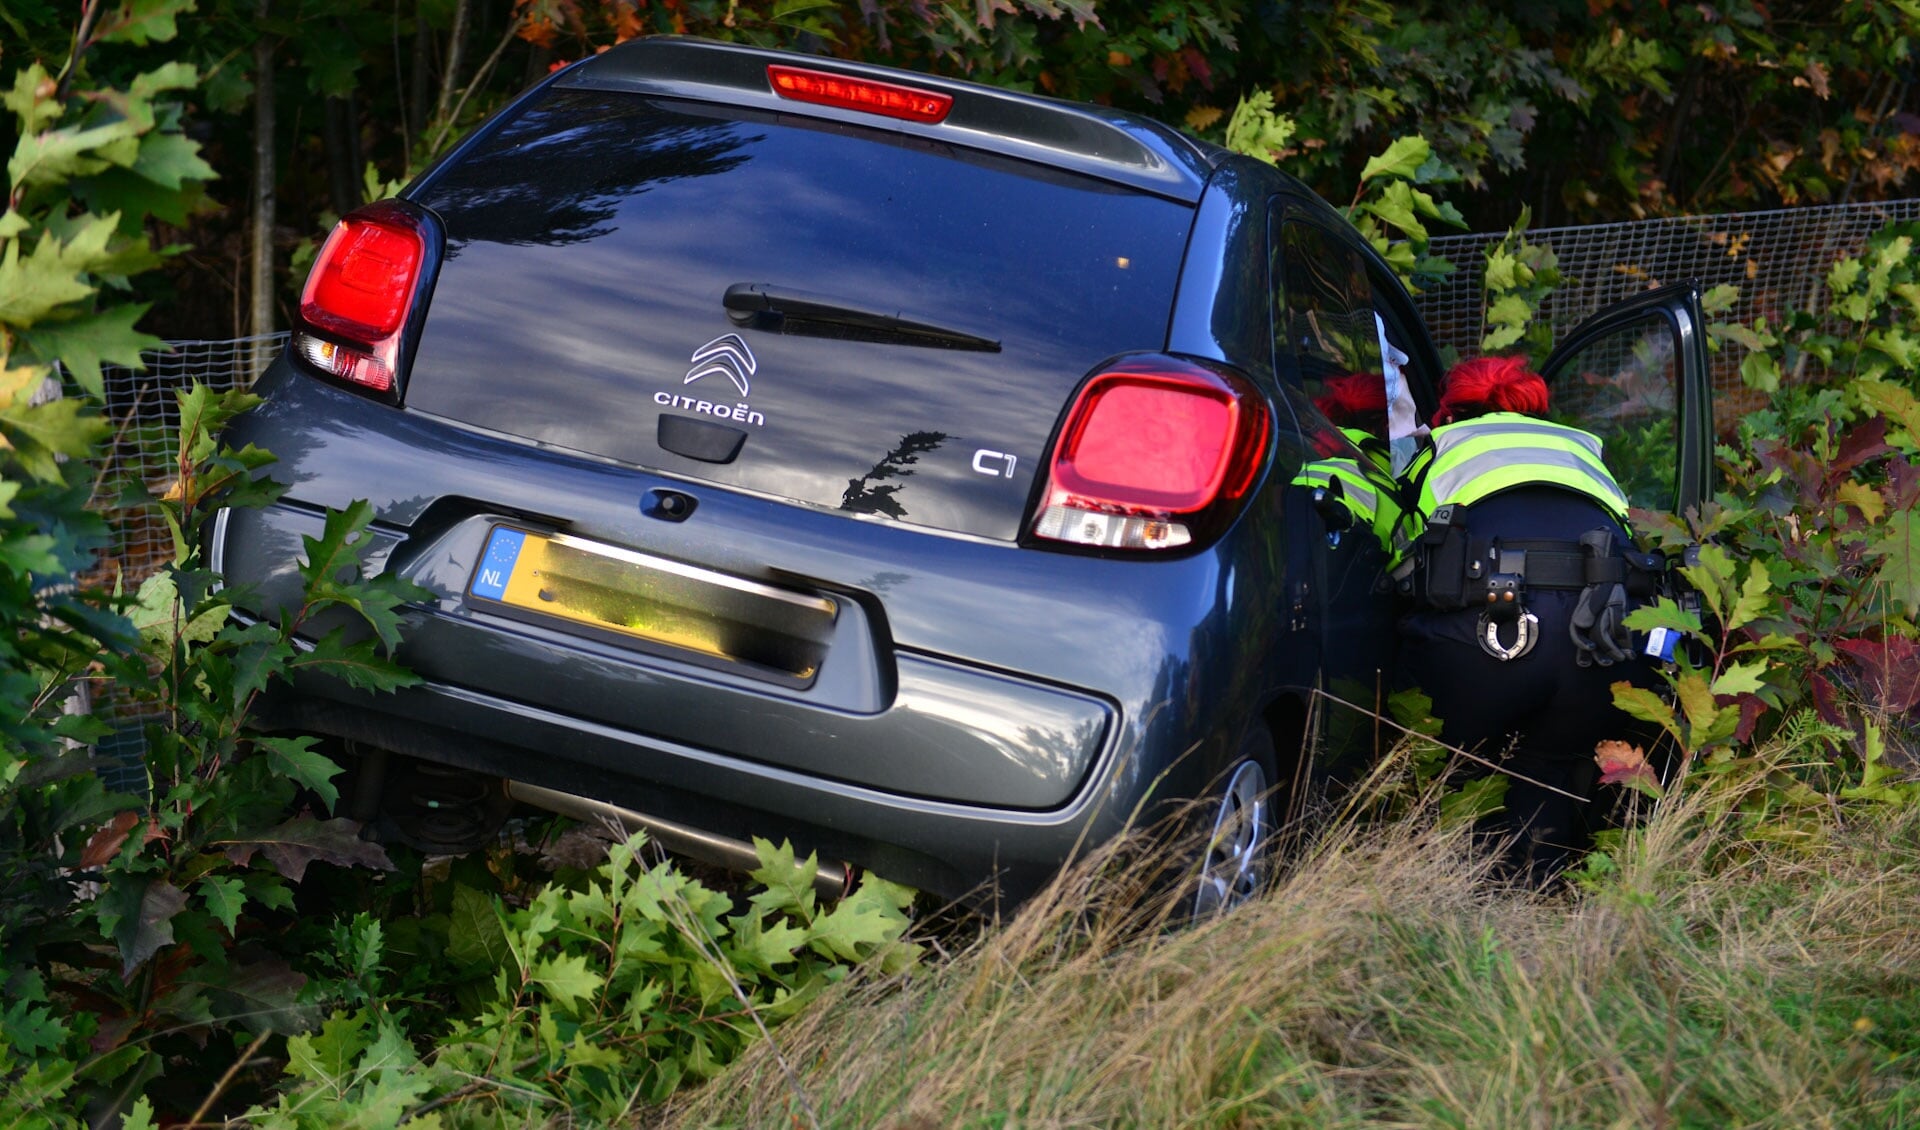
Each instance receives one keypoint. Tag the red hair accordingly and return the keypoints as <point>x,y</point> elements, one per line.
<point>1491,384</point>
<point>1343,399</point>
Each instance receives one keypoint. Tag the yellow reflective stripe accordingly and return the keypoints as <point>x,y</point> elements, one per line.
<point>1355,485</point>
<point>1447,438</point>
<point>1472,460</point>
<point>1472,479</point>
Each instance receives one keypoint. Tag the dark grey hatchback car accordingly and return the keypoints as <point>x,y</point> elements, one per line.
<point>902,466</point>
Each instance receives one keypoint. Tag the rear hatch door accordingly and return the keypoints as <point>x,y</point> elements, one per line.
<point>843,317</point>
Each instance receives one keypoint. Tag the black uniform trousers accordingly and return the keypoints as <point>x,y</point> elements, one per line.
<point>1540,715</point>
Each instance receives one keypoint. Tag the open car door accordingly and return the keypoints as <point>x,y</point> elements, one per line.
<point>1636,375</point>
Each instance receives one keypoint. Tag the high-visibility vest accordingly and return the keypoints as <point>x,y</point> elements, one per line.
<point>1372,446</point>
<point>1476,458</point>
<point>1370,500</point>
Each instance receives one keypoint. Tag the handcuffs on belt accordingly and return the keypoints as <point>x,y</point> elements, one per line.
<point>1505,605</point>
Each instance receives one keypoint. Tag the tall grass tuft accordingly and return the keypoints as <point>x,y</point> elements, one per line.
<point>1708,979</point>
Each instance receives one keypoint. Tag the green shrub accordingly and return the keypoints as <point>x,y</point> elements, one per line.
<point>600,997</point>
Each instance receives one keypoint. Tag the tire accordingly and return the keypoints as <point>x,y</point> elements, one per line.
<point>1235,859</point>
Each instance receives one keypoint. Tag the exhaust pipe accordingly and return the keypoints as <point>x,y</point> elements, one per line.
<point>830,882</point>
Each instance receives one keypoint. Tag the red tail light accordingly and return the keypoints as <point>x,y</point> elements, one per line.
<point>1154,455</point>
<point>870,95</point>
<point>361,292</point>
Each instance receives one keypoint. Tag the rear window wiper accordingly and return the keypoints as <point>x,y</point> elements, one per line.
<point>782,310</point>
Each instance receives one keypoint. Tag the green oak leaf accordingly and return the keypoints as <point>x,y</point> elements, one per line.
<point>788,881</point>
<point>141,22</point>
<point>474,936</point>
<point>55,156</point>
<point>34,109</point>
<point>1473,800</point>
<point>328,1056</point>
<point>358,663</point>
<point>139,1115</point>
<point>1648,707</point>
<point>1663,613</point>
<point>224,897</point>
<point>294,757</point>
<point>1742,678</point>
<point>170,160</point>
<point>1402,159</point>
<point>167,76</point>
<point>1899,553</point>
<point>567,980</point>
<point>82,344</point>
<point>764,942</point>
<point>860,923</point>
<point>30,1027</point>
<point>35,286</point>
<point>42,433</point>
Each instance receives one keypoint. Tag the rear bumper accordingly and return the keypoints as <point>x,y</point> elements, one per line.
<point>953,850</point>
<point>983,711</point>
<point>955,778</point>
<point>879,716</point>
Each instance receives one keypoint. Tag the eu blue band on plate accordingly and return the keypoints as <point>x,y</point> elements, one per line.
<point>503,549</point>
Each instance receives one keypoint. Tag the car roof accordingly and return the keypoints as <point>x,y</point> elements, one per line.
<point>1096,141</point>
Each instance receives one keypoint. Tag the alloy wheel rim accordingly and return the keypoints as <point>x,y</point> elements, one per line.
<point>1234,866</point>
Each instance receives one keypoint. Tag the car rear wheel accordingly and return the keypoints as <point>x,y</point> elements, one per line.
<point>1234,863</point>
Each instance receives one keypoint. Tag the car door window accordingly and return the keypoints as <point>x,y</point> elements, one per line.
<point>1324,327</point>
<point>1625,387</point>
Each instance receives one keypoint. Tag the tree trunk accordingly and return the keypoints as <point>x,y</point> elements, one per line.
<point>262,321</point>
<point>450,74</point>
<point>343,155</point>
<point>418,87</point>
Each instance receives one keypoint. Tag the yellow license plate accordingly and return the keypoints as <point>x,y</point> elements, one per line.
<point>653,601</point>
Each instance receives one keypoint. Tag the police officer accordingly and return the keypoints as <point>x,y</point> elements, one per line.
<point>1357,405</point>
<point>1520,578</point>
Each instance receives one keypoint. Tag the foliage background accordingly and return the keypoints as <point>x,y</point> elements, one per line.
<point>1582,110</point>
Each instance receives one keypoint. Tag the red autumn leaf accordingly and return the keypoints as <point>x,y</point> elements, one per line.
<point>112,1033</point>
<point>1623,764</point>
<point>1892,669</point>
<point>1825,701</point>
<point>1752,707</point>
<point>1859,445</point>
<point>1198,66</point>
<point>1903,481</point>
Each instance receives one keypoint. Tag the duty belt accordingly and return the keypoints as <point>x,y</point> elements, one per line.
<point>1493,575</point>
<point>1544,564</point>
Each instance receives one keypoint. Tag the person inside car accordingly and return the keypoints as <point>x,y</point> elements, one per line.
<point>1357,405</point>
<point>1521,577</point>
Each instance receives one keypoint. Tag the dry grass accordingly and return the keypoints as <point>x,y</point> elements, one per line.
<point>1386,983</point>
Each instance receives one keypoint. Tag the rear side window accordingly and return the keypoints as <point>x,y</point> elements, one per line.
<point>1325,330</point>
<point>1323,315</point>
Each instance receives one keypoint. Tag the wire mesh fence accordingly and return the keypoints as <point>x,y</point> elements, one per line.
<point>139,463</point>
<point>1778,259</point>
<point>138,466</point>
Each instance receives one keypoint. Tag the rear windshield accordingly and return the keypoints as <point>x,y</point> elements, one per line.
<point>591,240</point>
